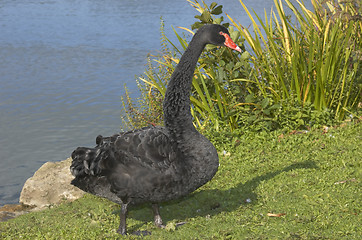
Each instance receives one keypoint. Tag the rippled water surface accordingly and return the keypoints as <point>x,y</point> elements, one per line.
<point>63,67</point>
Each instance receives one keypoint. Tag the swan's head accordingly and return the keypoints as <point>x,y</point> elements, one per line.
<point>218,35</point>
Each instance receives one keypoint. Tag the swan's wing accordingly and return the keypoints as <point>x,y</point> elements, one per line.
<point>149,147</point>
<point>146,148</point>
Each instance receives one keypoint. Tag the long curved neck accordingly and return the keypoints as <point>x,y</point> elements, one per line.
<point>176,105</point>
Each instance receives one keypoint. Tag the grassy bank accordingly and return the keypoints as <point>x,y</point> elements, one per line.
<point>304,185</point>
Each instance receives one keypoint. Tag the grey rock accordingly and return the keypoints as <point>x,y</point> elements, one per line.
<point>50,185</point>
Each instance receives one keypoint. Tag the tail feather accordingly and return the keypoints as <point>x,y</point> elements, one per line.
<point>88,161</point>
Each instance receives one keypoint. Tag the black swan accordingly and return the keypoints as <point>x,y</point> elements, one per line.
<point>155,164</point>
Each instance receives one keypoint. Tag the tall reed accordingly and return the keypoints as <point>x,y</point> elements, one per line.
<point>315,59</point>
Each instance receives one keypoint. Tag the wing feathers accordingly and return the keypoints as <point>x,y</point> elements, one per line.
<point>148,147</point>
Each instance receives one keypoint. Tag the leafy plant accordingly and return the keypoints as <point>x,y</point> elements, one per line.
<point>317,60</point>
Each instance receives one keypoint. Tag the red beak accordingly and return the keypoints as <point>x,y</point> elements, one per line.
<point>229,43</point>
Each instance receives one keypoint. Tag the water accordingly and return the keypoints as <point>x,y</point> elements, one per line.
<point>63,67</point>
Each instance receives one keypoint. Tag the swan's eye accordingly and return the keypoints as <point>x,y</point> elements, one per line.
<point>224,34</point>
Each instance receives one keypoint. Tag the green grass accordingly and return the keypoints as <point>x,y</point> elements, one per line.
<point>312,178</point>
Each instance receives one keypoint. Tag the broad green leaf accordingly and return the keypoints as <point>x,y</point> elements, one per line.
<point>213,5</point>
<point>265,102</point>
<point>217,10</point>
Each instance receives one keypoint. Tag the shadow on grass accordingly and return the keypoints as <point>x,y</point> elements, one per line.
<point>213,201</point>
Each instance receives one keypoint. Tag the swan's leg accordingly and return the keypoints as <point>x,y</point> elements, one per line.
<point>123,215</point>
<point>157,216</point>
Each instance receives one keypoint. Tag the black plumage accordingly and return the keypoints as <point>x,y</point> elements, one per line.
<point>155,164</point>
